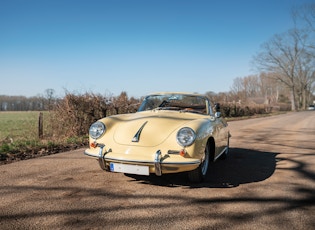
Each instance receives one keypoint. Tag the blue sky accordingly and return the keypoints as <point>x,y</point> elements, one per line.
<point>137,46</point>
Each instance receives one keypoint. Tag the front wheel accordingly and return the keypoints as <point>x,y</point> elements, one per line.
<point>199,174</point>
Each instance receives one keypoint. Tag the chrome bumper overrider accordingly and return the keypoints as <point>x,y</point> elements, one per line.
<point>101,159</point>
<point>157,163</point>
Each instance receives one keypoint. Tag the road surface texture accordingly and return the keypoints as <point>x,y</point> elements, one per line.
<point>267,182</point>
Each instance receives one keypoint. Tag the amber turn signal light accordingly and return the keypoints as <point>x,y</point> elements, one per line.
<point>93,145</point>
<point>182,152</point>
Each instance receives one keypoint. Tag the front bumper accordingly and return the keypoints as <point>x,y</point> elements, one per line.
<point>157,162</point>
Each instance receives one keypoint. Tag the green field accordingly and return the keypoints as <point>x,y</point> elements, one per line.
<point>19,138</point>
<point>19,125</point>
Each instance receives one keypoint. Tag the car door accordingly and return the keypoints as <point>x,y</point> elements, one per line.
<point>221,136</point>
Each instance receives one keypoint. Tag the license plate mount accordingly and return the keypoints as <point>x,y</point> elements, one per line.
<point>131,169</point>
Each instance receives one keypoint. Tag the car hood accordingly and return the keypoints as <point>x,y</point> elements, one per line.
<point>148,128</point>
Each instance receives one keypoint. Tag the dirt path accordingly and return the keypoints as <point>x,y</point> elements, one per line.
<point>268,182</point>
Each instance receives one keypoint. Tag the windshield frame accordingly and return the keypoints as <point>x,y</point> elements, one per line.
<point>193,103</point>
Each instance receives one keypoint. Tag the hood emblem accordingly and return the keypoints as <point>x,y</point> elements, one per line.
<point>137,135</point>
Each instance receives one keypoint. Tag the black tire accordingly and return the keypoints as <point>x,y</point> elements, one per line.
<point>199,174</point>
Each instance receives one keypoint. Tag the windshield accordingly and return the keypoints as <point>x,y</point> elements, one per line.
<point>179,102</point>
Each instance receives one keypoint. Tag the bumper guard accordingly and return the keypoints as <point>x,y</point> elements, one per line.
<point>157,163</point>
<point>101,159</point>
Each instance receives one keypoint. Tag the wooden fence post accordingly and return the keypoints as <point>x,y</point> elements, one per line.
<point>40,125</point>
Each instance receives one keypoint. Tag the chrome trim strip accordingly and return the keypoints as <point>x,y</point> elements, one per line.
<point>152,162</point>
<point>137,135</point>
<point>220,154</point>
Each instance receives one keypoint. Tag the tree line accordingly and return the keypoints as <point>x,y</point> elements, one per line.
<point>285,65</point>
<point>22,103</point>
<point>289,58</point>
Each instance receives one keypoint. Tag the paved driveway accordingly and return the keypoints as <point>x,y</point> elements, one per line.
<point>267,182</point>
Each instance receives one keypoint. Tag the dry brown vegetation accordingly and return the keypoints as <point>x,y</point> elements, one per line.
<point>74,114</point>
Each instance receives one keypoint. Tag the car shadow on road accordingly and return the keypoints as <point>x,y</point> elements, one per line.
<point>241,166</point>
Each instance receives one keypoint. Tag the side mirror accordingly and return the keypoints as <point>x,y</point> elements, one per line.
<point>217,114</point>
<point>217,107</point>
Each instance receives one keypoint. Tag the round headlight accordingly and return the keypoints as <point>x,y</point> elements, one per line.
<point>97,129</point>
<point>185,136</point>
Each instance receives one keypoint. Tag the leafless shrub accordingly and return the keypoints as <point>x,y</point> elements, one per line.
<point>236,110</point>
<point>74,114</point>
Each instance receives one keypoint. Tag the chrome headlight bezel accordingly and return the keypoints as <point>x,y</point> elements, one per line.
<point>186,136</point>
<point>97,129</point>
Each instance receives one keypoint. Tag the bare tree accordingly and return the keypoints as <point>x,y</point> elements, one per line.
<point>246,87</point>
<point>304,17</point>
<point>238,89</point>
<point>286,55</point>
<point>49,95</point>
<point>290,56</point>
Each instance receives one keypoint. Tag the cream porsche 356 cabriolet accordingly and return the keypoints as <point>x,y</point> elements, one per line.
<point>170,133</point>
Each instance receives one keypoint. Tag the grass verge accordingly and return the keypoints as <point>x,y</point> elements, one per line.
<point>19,137</point>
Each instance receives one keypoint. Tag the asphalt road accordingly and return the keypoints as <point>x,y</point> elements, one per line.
<point>267,182</point>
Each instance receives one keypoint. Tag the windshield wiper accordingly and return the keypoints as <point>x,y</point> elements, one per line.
<point>163,104</point>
